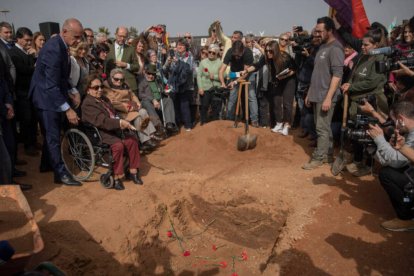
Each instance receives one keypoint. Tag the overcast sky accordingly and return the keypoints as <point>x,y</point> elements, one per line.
<point>271,16</point>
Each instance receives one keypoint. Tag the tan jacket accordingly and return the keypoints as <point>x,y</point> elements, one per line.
<point>120,98</point>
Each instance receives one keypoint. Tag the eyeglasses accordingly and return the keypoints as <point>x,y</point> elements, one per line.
<point>211,52</point>
<point>117,79</point>
<point>283,39</point>
<point>90,36</point>
<point>188,37</point>
<point>96,87</point>
<point>204,53</point>
<point>151,74</point>
<point>269,51</point>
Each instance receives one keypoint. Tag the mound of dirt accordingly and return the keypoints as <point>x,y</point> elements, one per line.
<point>230,210</point>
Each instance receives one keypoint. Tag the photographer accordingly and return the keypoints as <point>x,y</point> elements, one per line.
<point>395,162</point>
<point>365,83</point>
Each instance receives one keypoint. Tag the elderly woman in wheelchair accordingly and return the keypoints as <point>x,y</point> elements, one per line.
<point>129,108</point>
<point>98,111</point>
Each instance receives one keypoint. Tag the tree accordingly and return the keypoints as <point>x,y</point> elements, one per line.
<point>132,32</point>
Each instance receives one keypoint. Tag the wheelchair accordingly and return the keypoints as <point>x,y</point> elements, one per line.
<point>82,150</point>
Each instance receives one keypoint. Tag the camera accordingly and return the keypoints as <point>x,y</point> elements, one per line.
<point>358,131</point>
<point>302,42</point>
<point>171,53</point>
<point>393,56</point>
<point>409,187</point>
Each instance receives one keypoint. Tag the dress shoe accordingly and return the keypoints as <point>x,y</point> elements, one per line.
<point>136,178</point>
<point>148,145</point>
<point>20,162</point>
<point>172,128</point>
<point>118,185</point>
<point>23,187</point>
<point>31,151</point>
<point>18,173</point>
<point>67,180</point>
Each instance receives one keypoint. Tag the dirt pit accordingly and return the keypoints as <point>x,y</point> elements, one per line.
<point>231,211</point>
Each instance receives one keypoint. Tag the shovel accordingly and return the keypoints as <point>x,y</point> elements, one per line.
<point>340,160</point>
<point>246,141</point>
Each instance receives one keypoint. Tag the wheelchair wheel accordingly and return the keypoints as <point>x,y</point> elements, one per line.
<point>107,180</point>
<point>78,154</point>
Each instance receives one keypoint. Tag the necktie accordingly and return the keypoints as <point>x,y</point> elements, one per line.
<point>10,45</point>
<point>119,53</point>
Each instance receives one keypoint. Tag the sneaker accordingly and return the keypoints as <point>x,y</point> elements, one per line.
<point>328,159</point>
<point>398,225</point>
<point>353,167</point>
<point>188,129</point>
<point>312,164</point>
<point>278,128</point>
<point>362,171</point>
<point>285,130</point>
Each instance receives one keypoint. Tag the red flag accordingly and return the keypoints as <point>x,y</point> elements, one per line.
<point>360,22</point>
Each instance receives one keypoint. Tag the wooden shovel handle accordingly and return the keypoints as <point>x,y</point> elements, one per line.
<point>345,113</point>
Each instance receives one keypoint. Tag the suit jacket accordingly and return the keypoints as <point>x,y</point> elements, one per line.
<point>128,56</point>
<point>50,82</point>
<point>95,113</point>
<point>5,95</point>
<point>24,68</point>
<point>11,77</point>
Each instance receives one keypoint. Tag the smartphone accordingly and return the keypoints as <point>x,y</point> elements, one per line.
<point>171,53</point>
<point>299,29</point>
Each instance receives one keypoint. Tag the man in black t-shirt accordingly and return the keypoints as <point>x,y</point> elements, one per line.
<point>239,58</point>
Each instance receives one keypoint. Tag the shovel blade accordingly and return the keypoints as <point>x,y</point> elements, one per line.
<point>246,142</point>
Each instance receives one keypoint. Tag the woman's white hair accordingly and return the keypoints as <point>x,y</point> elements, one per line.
<point>116,71</point>
<point>214,47</point>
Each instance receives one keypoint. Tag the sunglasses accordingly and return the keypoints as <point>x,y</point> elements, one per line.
<point>188,37</point>
<point>151,74</point>
<point>269,51</point>
<point>96,87</point>
<point>211,52</point>
<point>283,39</point>
<point>116,79</point>
<point>204,53</point>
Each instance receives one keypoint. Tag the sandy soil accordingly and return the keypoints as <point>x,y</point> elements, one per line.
<point>254,213</point>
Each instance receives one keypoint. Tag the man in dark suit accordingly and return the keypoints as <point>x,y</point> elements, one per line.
<point>123,56</point>
<point>22,56</point>
<point>49,91</point>
<point>6,42</point>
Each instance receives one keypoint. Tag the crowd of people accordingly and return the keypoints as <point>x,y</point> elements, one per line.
<point>138,91</point>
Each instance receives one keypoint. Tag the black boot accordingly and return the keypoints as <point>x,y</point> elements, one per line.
<point>118,185</point>
<point>136,178</point>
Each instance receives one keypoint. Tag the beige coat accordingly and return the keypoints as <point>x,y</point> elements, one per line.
<point>119,99</point>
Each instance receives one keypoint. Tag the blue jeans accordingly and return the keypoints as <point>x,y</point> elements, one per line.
<point>253,108</point>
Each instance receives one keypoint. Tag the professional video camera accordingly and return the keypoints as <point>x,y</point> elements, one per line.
<point>394,56</point>
<point>302,42</point>
<point>358,131</point>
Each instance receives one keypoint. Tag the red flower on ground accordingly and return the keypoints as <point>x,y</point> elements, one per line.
<point>206,70</point>
<point>169,234</point>
<point>214,247</point>
<point>234,274</point>
<point>244,255</point>
<point>223,264</point>
<point>186,253</point>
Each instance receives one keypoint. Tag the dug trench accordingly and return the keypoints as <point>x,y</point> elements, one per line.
<point>232,211</point>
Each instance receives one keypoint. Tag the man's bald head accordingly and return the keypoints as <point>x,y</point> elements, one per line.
<point>121,34</point>
<point>72,31</point>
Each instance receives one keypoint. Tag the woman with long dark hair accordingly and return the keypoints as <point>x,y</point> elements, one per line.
<point>282,82</point>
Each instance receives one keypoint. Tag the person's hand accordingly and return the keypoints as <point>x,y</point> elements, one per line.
<point>76,99</point>
<point>31,51</point>
<point>126,125</point>
<point>375,131</point>
<point>223,85</point>
<point>345,87</point>
<point>10,111</point>
<point>366,107</point>
<point>393,87</point>
<point>403,71</point>
<point>72,116</point>
<point>156,104</point>
<point>243,73</point>
<point>397,140</point>
<point>211,76</point>
<point>121,64</point>
<point>336,22</point>
<point>326,105</point>
<point>305,52</point>
<point>307,102</point>
<point>201,92</point>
